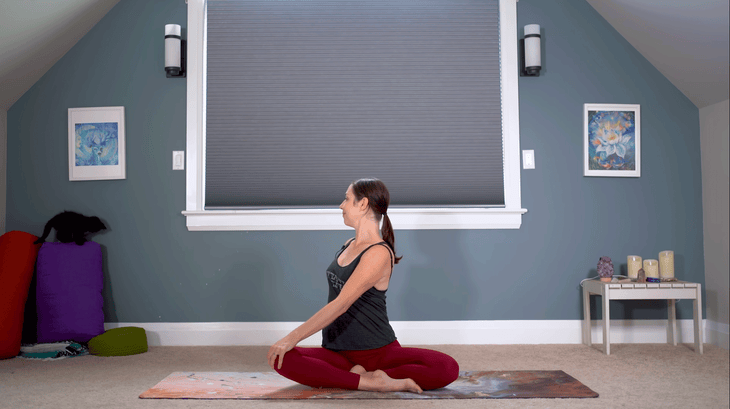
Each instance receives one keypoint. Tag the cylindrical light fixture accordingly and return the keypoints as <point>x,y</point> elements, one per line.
<point>174,65</point>
<point>531,51</point>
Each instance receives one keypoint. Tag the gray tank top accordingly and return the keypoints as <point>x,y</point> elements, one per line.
<point>365,324</point>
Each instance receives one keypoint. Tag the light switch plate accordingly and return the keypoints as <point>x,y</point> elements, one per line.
<point>528,159</point>
<point>178,160</point>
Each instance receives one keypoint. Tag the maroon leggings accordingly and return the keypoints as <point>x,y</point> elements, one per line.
<point>324,368</point>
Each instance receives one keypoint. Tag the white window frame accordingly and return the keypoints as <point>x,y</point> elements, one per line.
<point>199,219</point>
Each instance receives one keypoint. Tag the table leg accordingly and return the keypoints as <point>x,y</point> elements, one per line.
<point>586,317</point>
<point>606,329</point>
<point>672,322</point>
<point>697,310</point>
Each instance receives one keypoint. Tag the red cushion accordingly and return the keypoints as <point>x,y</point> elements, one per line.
<point>17,261</point>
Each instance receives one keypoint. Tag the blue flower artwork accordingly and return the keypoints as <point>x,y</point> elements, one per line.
<point>97,144</point>
<point>611,140</point>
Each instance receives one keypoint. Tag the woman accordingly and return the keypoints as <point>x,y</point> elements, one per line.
<point>360,350</point>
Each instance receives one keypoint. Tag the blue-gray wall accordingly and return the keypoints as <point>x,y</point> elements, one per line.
<point>157,271</point>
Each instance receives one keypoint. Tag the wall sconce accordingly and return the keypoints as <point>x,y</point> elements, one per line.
<point>174,51</point>
<point>530,52</point>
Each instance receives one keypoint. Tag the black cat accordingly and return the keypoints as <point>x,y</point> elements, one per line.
<point>71,227</point>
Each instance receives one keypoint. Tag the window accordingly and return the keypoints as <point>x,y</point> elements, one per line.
<point>206,217</point>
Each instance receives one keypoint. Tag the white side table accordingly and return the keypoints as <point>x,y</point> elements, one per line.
<point>671,291</point>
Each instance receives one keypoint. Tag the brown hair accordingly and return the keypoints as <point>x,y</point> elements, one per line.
<point>378,200</point>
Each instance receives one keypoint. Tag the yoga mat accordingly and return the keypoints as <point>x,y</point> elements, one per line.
<point>271,385</point>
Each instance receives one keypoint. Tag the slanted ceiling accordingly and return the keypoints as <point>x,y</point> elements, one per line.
<point>34,34</point>
<point>685,40</point>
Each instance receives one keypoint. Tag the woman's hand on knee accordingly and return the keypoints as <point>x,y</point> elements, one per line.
<point>279,349</point>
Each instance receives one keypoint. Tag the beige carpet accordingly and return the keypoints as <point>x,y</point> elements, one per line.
<point>633,376</point>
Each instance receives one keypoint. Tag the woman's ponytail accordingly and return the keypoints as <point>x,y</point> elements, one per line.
<point>388,236</point>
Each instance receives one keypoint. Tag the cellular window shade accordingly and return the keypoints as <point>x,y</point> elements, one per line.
<point>304,97</point>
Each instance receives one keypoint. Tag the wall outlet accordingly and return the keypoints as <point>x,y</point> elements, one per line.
<point>178,160</point>
<point>528,159</point>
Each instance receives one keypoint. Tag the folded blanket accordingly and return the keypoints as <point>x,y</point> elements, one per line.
<point>56,350</point>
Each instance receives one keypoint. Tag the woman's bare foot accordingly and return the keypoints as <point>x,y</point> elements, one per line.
<point>381,382</point>
<point>358,369</point>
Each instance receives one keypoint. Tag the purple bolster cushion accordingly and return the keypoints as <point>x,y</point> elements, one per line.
<point>68,292</point>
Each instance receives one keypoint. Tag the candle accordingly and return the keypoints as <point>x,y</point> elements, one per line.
<point>666,264</point>
<point>651,268</point>
<point>634,264</point>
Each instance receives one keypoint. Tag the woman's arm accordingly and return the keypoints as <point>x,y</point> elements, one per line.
<point>370,270</point>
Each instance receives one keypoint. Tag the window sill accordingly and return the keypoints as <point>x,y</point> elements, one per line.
<point>331,219</point>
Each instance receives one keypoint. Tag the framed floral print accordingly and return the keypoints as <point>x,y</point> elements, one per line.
<point>96,143</point>
<point>612,140</point>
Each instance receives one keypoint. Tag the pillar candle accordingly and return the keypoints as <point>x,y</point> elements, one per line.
<point>666,264</point>
<point>651,268</point>
<point>634,264</point>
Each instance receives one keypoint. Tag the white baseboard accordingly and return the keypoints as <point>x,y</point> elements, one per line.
<point>717,334</point>
<point>429,332</point>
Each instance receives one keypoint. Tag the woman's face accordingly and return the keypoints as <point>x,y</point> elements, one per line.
<point>349,207</point>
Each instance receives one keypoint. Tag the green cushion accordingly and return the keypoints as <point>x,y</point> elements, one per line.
<point>119,342</point>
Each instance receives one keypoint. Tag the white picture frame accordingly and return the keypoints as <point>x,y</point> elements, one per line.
<point>96,144</point>
<point>612,140</point>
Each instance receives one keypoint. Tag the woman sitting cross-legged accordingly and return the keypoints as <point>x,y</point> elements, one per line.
<point>359,347</point>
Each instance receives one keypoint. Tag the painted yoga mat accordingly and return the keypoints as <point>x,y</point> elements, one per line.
<point>270,385</point>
